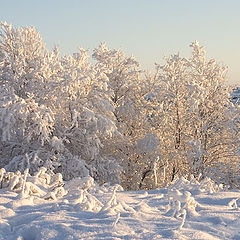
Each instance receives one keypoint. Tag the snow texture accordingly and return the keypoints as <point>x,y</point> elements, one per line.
<point>46,207</point>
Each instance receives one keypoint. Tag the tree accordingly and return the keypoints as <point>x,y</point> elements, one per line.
<point>57,108</point>
<point>26,123</point>
<point>193,116</point>
<point>129,91</point>
<point>170,101</point>
<point>214,130</point>
<point>111,120</point>
<point>84,114</point>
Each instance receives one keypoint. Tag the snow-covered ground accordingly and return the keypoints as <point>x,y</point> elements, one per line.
<point>79,209</point>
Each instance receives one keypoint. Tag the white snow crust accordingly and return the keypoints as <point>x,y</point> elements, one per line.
<point>45,207</point>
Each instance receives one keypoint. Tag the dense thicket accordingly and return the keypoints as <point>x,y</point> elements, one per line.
<point>111,120</point>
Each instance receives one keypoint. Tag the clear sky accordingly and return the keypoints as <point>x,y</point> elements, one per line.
<point>148,29</point>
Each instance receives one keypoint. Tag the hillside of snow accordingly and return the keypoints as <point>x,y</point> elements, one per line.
<point>45,207</point>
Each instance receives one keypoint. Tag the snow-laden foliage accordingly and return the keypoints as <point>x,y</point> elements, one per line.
<point>51,186</point>
<point>129,89</point>
<point>24,118</point>
<point>112,121</point>
<point>58,108</point>
<point>194,118</point>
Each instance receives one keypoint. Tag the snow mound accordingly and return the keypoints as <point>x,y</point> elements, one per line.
<point>44,206</point>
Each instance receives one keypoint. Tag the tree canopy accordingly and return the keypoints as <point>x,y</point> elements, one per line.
<point>111,120</point>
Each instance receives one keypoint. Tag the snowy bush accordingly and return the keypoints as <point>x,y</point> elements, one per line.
<point>112,121</point>
<point>52,105</point>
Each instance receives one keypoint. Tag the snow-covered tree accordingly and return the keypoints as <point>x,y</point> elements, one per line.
<point>214,133</point>
<point>56,107</point>
<point>84,111</point>
<point>170,103</point>
<point>26,123</point>
<point>111,120</point>
<point>129,89</point>
<point>193,116</point>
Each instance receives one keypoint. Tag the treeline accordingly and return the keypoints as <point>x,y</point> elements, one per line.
<point>111,120</point>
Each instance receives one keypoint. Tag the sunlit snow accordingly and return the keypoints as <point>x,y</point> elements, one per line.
<point>80,209</point>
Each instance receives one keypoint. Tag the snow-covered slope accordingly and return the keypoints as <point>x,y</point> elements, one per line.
<point>83,210</point>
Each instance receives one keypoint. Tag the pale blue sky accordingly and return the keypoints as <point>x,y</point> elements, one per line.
<point>148,29</point>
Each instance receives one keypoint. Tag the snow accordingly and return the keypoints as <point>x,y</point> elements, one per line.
<point>85,210</point>
<point>71,128</point>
